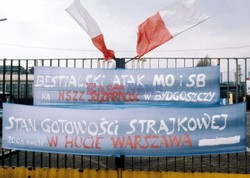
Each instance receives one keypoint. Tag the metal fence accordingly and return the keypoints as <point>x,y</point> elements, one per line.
<point>16,85</point>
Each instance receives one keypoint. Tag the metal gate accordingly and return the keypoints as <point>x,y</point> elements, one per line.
<point>16,85</point>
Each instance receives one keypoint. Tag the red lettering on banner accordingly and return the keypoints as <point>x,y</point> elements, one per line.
<point>61,95</point>
<point>146,138</point>
<point>154,144</point>
<point>81,96</point>
<point>100,94</point>
<point>113,97</point>
<point>174,140</point>
<point>138,139</point>
<point>68,95</point>
<point>97,143</point>
<point>68,142</point>
<point>75,95</point>
<point>90,88</point>
<point>82,142</point>
<point>53,141</point>
<point>112,93</point>
<point>164,141</point>
<point>71,95</point>
<point>187,140</point>
<point>129,143</point>
<point>118,142</point>
<point>151,141</point>
<point>76,144</point>
<point>109,88</point>
<point>100,89</point>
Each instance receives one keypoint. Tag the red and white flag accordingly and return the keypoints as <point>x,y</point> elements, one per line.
<point>168,23</point>
<point>89,25</point>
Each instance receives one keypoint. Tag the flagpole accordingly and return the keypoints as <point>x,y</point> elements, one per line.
<point>120,63</point>
<point>3,19</point>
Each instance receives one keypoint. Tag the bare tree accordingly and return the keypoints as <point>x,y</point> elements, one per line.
<point>204,62</point>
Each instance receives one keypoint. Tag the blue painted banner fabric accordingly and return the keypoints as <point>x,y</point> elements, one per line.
<point>158,131</point>
<point>75,86</point>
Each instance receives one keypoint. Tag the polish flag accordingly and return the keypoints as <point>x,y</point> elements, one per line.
<point>89,25</point>
<point>168,23</point>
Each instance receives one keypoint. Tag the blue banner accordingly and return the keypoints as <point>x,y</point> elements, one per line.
<point>74,86</point>
<point>151,131</point>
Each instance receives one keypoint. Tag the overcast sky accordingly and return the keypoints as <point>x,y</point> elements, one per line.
<point>45,23</point>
